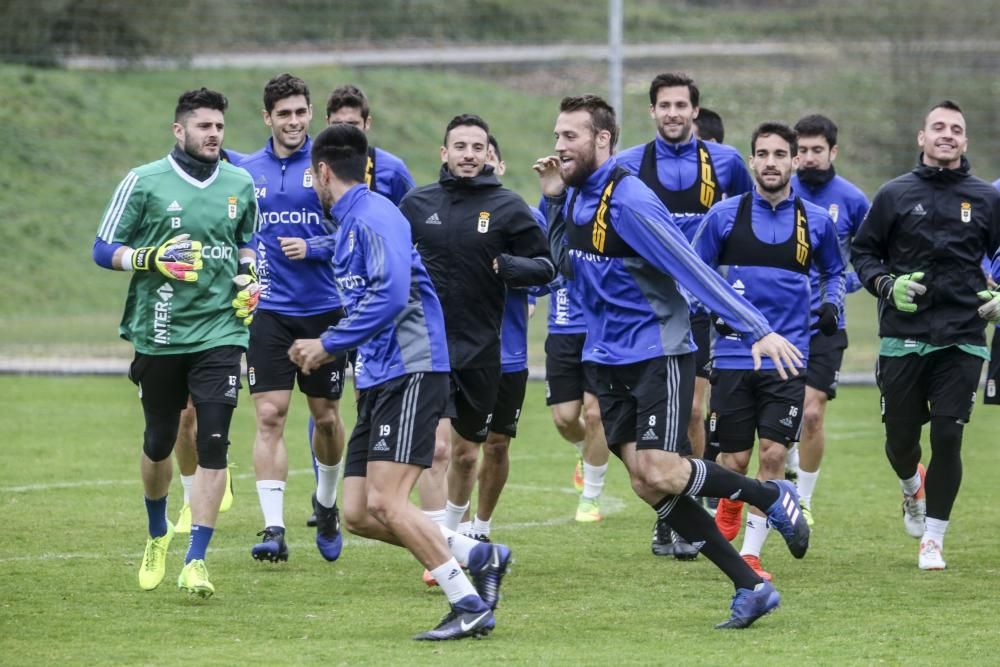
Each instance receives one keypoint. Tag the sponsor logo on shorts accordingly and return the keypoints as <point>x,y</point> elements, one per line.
<point>991,389</point>
<point>231,393</point>
<point>650,434</point>
<point>381,446</point>
<point>787,421</point>
<point>252,376</point>
<point>548,390</point>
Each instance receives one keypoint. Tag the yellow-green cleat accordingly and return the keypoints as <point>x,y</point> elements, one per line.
<point>183,525</point>
<point>578,475</point>
<point>227,497</point>
<point>589,510</point>
<point>154,560</point>
<point>194,579</point>
<point>807,513</point>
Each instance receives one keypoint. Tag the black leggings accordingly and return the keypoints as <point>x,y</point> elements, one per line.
<point>944,473</point>
<point>212,439</point>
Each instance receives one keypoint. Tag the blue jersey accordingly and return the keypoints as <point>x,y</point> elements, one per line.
<point>394,317</point>
<point>627,257</point>
<point>514,326</point>
<point>392,178</point>
<point>780,289</point>
<point>289,207</point>
<point>565,314</point>
<point>847,206</point>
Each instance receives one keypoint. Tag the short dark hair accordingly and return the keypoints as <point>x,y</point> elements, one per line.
<point>203,98</point>
<point>282,86</point>
<point>495,146</point>
<point>347,96</point>
<point>602,114</point>
<point>673,80</point>
<point>944,104</point>
<point>465,119</point>
<point>344,149</point>
<point>817,125</point>
<point>780,129</point>
<point>710,127</point>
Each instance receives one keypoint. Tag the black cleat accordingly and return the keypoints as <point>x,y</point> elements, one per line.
<point>668,543</point>
<point>459,624</point>
<point>329,539</point>
<point>311,521</point>
<point>272,547</point>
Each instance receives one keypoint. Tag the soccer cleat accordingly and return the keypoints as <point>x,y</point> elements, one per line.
<point>429,579</point>
<point>227,496</point>
<point>183,525</point>
<point>329,539</point>
<point>459,624</point>
<point>807,513</point>
<point>729,517</point>
<point>311,521</point>
<point>578,475</point>
<point>588,510</point>
<point>749,605</point>
<point>488,577</point>
<point>784,515</point>
<point>272,547</point>
<point>481,537</point>
<point>194,579</point>
<point>710,505</point>
<point>915,508</point>
<point>930,556</point>
<point>154,560</point>
<point>663,538</point>
<point>684,550</point>
<point>754,563</point>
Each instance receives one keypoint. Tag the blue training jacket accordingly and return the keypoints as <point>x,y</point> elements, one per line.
<point>631,305</point>
<point>392,178</point>
<point>289,207</point>
<point>565,315</point>
<point>394,317</point>
<point>782,295</point>
<point>847,206</point>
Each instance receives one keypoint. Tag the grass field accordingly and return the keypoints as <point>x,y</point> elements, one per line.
<point>579,595</point>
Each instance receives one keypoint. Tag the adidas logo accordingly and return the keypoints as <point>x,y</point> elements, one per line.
<point>381,446</point>
<point>650,434</point>
<point>174,207</point>
<point>433,220</point>
<point>787,421</point>
<point>919,210</point>
<point>231,393</point>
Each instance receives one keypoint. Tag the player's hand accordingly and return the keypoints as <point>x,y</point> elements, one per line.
<point>248,293</point>
<point>782,353</point>
<point>309,354</point>
<point>294,247</point>
<point>549,175</point>
<point>901,291</point>
<point>990,310</point>
<point>827,322</point>
<point>177,259</point>
<point>722,328</point>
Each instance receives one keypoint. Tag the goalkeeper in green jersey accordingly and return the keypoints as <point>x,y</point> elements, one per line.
<point>182,225</point>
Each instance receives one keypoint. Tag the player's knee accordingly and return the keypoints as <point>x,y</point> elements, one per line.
<point>592,417</point>
<point>270,415</point>
<point>946,435</point>
<point>772,460</point>
<point>496,448</point>
<point>381,507</point>
<point>465,458</point>
<point>812,418</point>
<point>158,440</point>
<point>212,451</point>
<point>356,518</point>
<point>328,423</point>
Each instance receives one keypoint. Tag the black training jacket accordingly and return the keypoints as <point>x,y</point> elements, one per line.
<point>939,221</point>
<point>460,225</point>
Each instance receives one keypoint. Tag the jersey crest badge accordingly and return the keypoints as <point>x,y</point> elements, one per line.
<point>834,211</point>
<point>232,208</point>
<point>350,241</point>
<point>966,212</point>
<point>484,222</point>
<point>307,178</point>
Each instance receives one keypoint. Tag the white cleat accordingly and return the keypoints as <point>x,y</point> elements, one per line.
<point>930,556</point>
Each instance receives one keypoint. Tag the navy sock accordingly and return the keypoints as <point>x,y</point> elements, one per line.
<point>156,510</point>
<point>200,537</point>
<point>479,556</point>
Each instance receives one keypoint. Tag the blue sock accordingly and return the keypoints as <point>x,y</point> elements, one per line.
<point>157,513</point>
<point>200,537</point>
<point>471,603</point>
<point>479,556</point>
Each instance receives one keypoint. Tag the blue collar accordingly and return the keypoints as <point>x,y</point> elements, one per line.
<point>305,150</point>
<point>599,178</point>
<point>663,147</point>
<point>343,207</point>
<point>760,201</point>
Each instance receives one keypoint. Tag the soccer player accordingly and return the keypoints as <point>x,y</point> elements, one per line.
<point>919,251</point>
<point>816,181</point>
<point>688,175</point>
<point>476,239</point>
<point>299,299</point>
<point>766,244</point>
<point>607,228</point>
<point>708,126</point>
<point>395,322</point>
<point>182,225</point>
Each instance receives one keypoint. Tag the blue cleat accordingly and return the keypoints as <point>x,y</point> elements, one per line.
<point>329,539</point>
<point>786,516</point>
<point>460,623</point>
<point>749,605</point>
<point>487,575</point>
<point>273,547</point>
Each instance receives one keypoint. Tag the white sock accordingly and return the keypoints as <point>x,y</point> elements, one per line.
<point>459,545</point>
<point>437,516</point>
<point>326,484</point>
<point>593,480</point>
<point>806,483</point>
<point>480,527</point>
<point>187,481</point>
<point>934,529</point>
<point>465,528</point>
<point>271,493</point>
<point>453,581</point>
<point>912,485</point>
<point>755,535</point>
<point>792,457</point>
<point>453,514</point>
<point>579,446</point>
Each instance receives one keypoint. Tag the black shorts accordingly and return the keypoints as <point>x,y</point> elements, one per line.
<point>166,380</point>
<point>745,403</point>
<point>471,399</point>
<point>268,365</point>
<point>567,377</point>
<point>990,396</point>
<point>510,398</point>
<point>396,422</point>
<point>826,354</point>
<point>648,403</point>
<point>701,331</point>
<point>939,384</point>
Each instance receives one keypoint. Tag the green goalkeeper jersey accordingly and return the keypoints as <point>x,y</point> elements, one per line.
<point>156,202</point>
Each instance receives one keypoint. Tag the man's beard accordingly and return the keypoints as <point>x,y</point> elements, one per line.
<point>815,178</point>
<point>194,150</point>
<point>771,189</point>
<point>584,168</point>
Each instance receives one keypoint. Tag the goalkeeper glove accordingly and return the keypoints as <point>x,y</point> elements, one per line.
<point>990,311</point>
<point>177,259</point>
<point>248,295</point>
<point>827,322</point>
<point>901,291</point>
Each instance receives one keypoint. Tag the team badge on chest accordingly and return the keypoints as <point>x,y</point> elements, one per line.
<point>307,178</point>
<point>484,222</point>
<point>834,211</point>
<point>966,212</point>
<point>232,208</point>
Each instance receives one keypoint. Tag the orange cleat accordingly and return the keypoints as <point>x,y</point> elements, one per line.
<point>754,563</point>
<point>729,517</point>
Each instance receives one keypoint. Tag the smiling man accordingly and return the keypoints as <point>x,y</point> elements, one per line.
<point>919,250</point>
